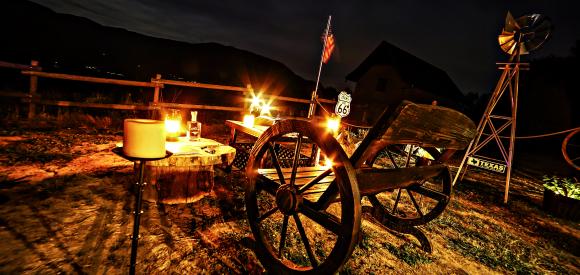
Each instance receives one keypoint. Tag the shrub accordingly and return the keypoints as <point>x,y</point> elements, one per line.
<point>564,186</point>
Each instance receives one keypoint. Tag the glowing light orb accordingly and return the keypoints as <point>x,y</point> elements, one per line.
<point>249,120</point>
<point>333,124</point>
<point>328,163</point>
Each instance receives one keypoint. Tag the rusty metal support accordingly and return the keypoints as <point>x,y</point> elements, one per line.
<point>509,80</point>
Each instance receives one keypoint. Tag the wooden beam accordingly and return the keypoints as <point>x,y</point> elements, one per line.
<point>157,88</point>
<point>202,85</point>
<point>134,106</point>
<point>200,107</point>
<point>32,91</point>
<point>90,79</point>
<point>5,64</point>
<point>14,94</point>
<point>96,105</point>
<point>373,181</point>
<point>235,88</point>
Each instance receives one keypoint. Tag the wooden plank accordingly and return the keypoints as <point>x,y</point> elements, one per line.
<point>418,124</point>
<point>430,126</point>
<point>299,181</point>
<point>255,131</point>
<point>201,85</point>
<point>96,105</point>
<point>14,94</point>
<point>329,101</point>
<point>288,170</point>
<point>310,174</point>
<point>131,106</point>
<point>5,64</point>
<point>90,79</point>
<point>373,181</point>
<point>200,107</point>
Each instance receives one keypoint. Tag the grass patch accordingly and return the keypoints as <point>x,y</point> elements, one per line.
<point>409,254</point>
<point>517,260</point>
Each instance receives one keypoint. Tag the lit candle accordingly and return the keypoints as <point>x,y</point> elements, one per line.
<point>173,125</point>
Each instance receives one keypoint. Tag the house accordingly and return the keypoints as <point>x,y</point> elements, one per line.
<point>389,75</point>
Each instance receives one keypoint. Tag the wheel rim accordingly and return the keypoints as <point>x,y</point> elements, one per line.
<point>570,149</point>
<point>293,232</point>
<point>416,205</point>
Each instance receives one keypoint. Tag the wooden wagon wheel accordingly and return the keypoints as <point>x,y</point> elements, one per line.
<point>416,205</point>
<point>570,149</point>
<point>294,231</point>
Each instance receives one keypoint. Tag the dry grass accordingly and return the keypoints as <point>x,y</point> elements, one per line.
<point>66,208</point>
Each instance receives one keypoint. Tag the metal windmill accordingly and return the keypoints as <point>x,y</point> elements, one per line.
<point>518,37</point>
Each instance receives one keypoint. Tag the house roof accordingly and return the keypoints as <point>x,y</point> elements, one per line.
<point>413,70</point>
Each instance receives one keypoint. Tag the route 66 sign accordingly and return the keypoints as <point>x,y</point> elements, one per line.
<point>342,107</point>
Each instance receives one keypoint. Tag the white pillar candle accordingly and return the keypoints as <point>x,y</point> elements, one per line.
<point>144,138</point>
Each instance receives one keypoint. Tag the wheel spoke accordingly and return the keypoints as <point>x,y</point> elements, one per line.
<point>268,186</point>
<point>392,159</point>
<point>267,214</point>
<point>326,220</point>
<point>305,241</point>
<point>283,235</point>
<point>430,193</point>
<point>296,158</point>
<point>397,200</point>
<point>276,163</point>
<point>314,181</point>
<point>415,203</point>
<point>327,197</point>
<point>409,156</point>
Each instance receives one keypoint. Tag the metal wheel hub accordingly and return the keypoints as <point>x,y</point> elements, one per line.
<point>287,200</point>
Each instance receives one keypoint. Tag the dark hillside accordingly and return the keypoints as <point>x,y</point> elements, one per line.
<point>71,44</point>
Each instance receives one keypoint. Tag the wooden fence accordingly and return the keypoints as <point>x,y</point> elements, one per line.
<point>32,98</point>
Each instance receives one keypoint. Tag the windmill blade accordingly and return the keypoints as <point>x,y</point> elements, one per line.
<point>525,34</point>
<point>510,23</point>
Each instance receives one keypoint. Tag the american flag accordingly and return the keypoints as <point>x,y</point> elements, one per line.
<point>329,47</point>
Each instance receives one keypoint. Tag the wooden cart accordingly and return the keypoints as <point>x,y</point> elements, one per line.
<point>307,219</point>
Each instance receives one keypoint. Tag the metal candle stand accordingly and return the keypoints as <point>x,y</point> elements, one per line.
<point>138,198</point>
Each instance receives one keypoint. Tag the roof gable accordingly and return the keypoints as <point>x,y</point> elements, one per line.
<point>412,69</point>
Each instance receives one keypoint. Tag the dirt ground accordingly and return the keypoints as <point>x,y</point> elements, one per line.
<point>66,208</point>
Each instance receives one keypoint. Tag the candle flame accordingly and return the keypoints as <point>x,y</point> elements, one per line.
<point>172,126</point>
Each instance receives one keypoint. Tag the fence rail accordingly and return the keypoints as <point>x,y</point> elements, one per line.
<point>34,71</point>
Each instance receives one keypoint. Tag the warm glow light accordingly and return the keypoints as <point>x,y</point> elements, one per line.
<point>265,109</point>
<point>172,126</point>
<point>328,163</point>
<point>256,100</point>
<point>333,124</point>
<point>249,120</point>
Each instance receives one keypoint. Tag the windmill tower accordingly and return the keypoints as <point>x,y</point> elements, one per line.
<point>518,37</point>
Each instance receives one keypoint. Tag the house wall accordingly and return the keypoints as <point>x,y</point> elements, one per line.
<point>368,103</point>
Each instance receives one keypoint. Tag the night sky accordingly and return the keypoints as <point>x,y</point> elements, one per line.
<point>459,37</point>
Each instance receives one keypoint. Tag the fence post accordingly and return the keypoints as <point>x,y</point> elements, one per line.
<point>249,92</point>
<point>32,91</point>
<point>156,93</point>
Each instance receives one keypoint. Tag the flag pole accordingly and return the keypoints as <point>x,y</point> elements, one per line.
<point>314,96</point>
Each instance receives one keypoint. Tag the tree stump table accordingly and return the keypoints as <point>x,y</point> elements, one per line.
<point>188,175</point>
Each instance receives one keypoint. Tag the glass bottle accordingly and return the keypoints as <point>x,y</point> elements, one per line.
<point>194,127</point>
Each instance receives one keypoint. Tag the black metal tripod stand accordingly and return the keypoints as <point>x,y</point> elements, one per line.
<point>138,201</point>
